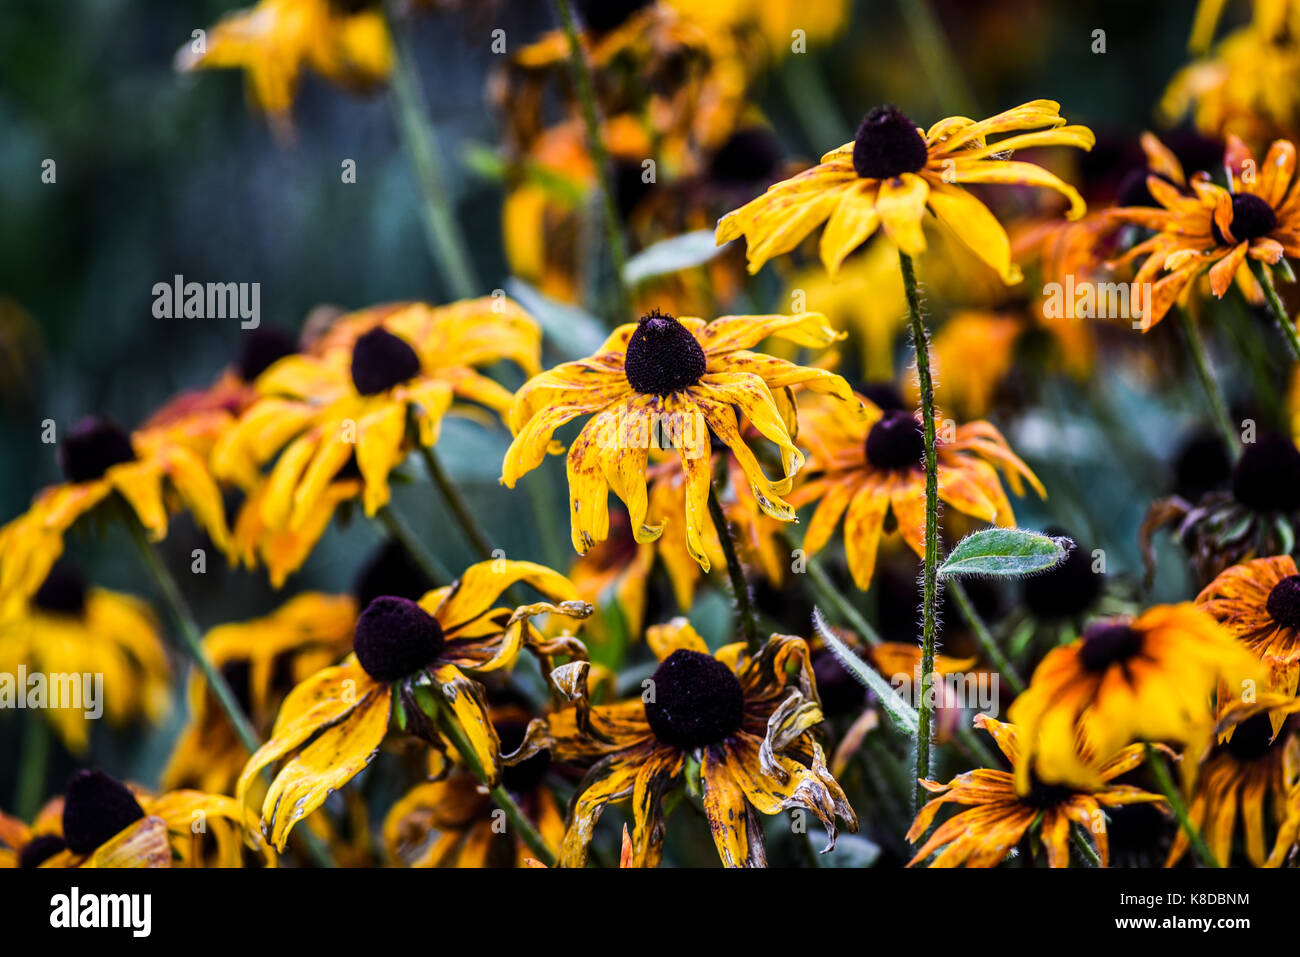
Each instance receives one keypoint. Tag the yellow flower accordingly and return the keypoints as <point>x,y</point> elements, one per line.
<point>998,814</point>
<point>338,416</point>
<point>1213,230</point>
<point>331,725</point>
<point>774,20</point>
<point>69,628</point>
<point>748,720</point>
<point>106,824</point>
<point>893,172</point>
<point>867,470</point>
<point>152,468</point>
<point>23,845</point>
<point>1258,603</point>
<point>1149,679</point>
<point>1257,758</point>
<point>665,383</point>
<point>276,39</point>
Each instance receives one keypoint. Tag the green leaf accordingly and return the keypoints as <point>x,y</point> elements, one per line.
<point>671,255</point>
<point>851,850</point>
<point>1005,553</point>
<point>902,716</point>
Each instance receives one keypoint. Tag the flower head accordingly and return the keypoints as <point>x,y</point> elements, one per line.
<point>893,172</point>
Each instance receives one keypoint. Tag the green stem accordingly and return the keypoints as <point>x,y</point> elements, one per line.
<point>456,735</point>
<point>35,763</point>
<point>1084,848</point>
<point>930,582</point>
<point>1265,279</point>
<point>985,638</point>
<point>191,638</point>
<point>1218,405</point>
<point>582,82</point>
<point>398,529</point>
<point>744,607</point>
<point>446,243</point>
<point>937,59</point>
<point>1167,787</point>
<point>456,502</point>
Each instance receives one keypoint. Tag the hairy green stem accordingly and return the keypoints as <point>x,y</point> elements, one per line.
<point>446,242</point>
<point>1213,393</point>
<point>582,82</point>
<point>744,606</point>
<point>1275,305</point>
<point>1170,790</point>
<point>985,638</point>
<point>448,725</point>
<point>930,581</point>
<point>1081,844</point>
<point>456,502</point>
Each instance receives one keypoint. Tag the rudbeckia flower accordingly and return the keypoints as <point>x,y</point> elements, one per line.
<point>870,472</point>
<point>1255,761</point>
<point>1258,603</point>
<point>24,845</point>
<point>893,172</point>
<point>450,822</point>
<point>746,719</point>
<point>106,824</point>
<point>153,469</point>
<point>998,814</point>
<point>338,417</point>
<point>1151,678</point>
<point>275,40</point>
<point>665,383</point>
<point>1214,230</point>
<point>71,628</point>
<point>331,725</point>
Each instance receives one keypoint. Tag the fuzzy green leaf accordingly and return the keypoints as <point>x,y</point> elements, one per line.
<point>1005,553</point>
<point>671,255</point>
<point>901,715</point>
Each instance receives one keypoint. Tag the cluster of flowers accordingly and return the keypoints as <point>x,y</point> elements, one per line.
<point>288,708</point>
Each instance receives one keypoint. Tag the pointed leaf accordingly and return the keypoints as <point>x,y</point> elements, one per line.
<point>1005,553</point>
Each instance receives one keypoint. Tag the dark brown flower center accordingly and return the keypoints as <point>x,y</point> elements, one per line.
<point>381,360</point>
<point>95,809</point>
<point>1133,188</point>
<point>751,155</point>
<point>63,592</point>
<point>1252,218</point>
<point>697,700</point>
<point>1267,476</point>
<point>896,441</point>
<point>1283,604</point>
<point>40,849</point>
<point>888,145</point>
<point>262,348</point>
<point>1108,643</point>
<point>662,356</point>
<point>601,16</point>
<point>1067,590</point>
<point>1044,796</point>
<point>395,637</point>
<point>1252,739</point>
<point>92,448</point>
<point>883,394</point>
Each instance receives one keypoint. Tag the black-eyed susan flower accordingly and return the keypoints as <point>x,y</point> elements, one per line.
<point>869,472</point>
<point>1250,774</point>
<point>276,40</point>
<point>450,822</point>
<point>747,719</point>
<point>71,628</point>
<point>338,416</point>
<point>24,845</point>
<point>997,814</point>
<point>1152,678</point>
<point>668,383</point>
<point>106,824</point>
<point>893,172</point>
<point>1256,515</point>
<point>331,725</point>
<point>1213,231</point>
<point>154,470</point>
